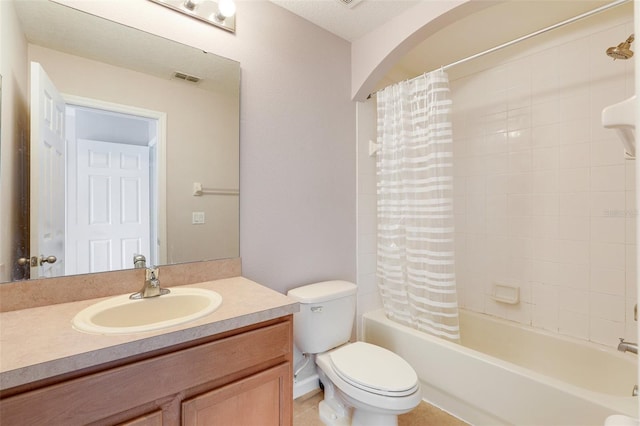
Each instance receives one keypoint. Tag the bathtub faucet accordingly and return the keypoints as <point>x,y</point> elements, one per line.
<point>627,346</point>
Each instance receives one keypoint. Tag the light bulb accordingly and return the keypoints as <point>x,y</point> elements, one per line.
<point>226,8</point>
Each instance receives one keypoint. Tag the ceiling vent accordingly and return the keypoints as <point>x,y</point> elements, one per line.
<point>349,3</point>
<point>186,77</point>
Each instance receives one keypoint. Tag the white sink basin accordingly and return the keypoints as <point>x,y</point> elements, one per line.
<point>122,315</point>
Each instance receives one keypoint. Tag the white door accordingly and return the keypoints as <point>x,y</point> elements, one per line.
<point>111,207</point>
<point>47,184</point>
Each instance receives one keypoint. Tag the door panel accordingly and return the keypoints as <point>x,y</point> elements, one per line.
<point>112,206</point>
<point>47,221</point>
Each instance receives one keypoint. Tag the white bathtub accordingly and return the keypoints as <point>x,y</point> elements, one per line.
<point>511,374</point>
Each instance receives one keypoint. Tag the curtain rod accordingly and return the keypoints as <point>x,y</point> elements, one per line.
<point>535,33</point>
<point>528,36</point>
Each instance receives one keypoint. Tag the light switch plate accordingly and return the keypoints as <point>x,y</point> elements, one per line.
<point>197,218</point>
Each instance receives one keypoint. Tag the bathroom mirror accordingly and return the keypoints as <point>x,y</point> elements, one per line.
<point>96,62</point>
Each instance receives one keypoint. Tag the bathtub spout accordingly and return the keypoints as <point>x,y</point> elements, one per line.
<point>624,346</point>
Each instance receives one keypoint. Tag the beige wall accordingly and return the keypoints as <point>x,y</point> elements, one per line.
<point>297,167</point>
<point>297,136</point>
<point>13,68</point>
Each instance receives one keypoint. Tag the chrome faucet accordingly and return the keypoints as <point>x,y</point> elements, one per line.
<point>151,287</point>
<point>139,261</point>
<point>624,346</point>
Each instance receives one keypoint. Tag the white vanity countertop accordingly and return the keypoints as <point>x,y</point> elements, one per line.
<point>39,343</point>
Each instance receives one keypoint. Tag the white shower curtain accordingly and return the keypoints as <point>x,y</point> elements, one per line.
<point>415,249</point>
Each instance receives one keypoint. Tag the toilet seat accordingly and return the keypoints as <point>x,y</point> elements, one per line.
<point>374,369</point>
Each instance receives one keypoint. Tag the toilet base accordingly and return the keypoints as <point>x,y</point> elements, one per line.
<point>334,416</point>
<point>337,409</point>
<point>343,417</point>
<point>367,418</point>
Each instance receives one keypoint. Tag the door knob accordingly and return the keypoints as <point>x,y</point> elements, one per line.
<point>34,261</point>
<point>48,259</point>
<point>28,261</point>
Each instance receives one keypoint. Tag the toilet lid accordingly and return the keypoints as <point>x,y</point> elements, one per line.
<point>374,369</point>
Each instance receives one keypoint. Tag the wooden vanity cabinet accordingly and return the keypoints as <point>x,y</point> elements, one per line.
<point>238,378</point>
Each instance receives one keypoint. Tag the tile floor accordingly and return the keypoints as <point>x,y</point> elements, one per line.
<point>305,413</point>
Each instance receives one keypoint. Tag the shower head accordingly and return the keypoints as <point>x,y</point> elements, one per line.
<point>623,50</point>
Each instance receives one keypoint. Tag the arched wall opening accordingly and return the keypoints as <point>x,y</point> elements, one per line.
<point>373,55</point>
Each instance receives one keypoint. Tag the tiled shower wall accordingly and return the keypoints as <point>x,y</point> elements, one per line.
<point>544,196</point>
<point>545,200</point>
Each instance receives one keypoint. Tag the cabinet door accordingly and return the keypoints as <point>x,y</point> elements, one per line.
<point>262,399</point>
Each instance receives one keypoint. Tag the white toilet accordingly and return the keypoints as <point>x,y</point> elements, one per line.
<point>364,384</point>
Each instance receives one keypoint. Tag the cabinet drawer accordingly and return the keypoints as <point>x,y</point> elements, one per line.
<point>100,395</point>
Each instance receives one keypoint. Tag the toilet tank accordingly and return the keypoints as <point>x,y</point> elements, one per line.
<point>325,320</point>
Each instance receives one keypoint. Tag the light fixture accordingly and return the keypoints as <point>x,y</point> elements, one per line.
<point>220,13</point>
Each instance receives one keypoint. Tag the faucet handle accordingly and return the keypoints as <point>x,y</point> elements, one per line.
<point>152,273</point>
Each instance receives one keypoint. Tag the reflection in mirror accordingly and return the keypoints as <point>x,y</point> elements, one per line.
<point>135,98</point>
